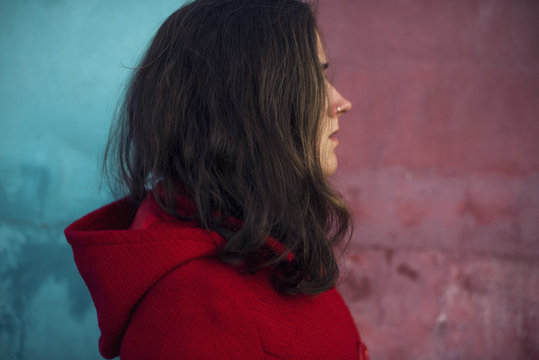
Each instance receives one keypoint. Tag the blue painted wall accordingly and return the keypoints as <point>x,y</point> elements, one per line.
<point>61,74</point>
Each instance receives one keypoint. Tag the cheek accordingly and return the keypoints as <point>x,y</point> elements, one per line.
<point>325,126</point>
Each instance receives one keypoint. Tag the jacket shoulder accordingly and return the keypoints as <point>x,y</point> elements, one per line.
<point>198,310</point>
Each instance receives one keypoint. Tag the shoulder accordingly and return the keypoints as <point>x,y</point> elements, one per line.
<point>199,310</point>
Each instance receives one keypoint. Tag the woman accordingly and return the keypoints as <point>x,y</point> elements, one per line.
<point>223,246</point>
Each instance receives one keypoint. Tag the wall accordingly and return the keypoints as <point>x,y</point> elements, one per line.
<point>438,159</point>
<point>62,65</point>
<point>440,162</point>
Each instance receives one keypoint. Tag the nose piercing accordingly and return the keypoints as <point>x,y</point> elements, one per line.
<point>339,109</point>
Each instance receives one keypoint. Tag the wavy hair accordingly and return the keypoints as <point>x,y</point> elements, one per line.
<point>225,107</point>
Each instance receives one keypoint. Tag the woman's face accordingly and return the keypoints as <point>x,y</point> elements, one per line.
<point>337,105</point>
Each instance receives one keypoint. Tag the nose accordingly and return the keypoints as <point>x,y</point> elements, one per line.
<point>339,104</point>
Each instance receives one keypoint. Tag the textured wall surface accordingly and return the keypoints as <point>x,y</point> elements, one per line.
<point>440,161</point>
<point>61,71</point>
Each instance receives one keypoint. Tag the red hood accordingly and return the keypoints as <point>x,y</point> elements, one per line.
<point>121,252</point>
<point>120,258</point>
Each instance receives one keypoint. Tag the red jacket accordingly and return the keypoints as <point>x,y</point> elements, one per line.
<point>161,293</point>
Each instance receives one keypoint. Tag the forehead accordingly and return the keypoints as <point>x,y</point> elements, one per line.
<point>321,52</point>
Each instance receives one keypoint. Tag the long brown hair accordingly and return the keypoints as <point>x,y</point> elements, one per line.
<point>226,104</point>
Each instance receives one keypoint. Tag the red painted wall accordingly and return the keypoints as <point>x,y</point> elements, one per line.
<point>439,160</point>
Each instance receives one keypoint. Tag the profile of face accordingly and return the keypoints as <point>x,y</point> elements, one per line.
<point>336,106</point>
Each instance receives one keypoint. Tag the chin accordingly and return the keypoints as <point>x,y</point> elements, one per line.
<point>330,166</point>
<point>331,171</point>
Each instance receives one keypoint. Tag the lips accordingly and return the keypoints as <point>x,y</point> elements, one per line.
<point>333,136</point>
